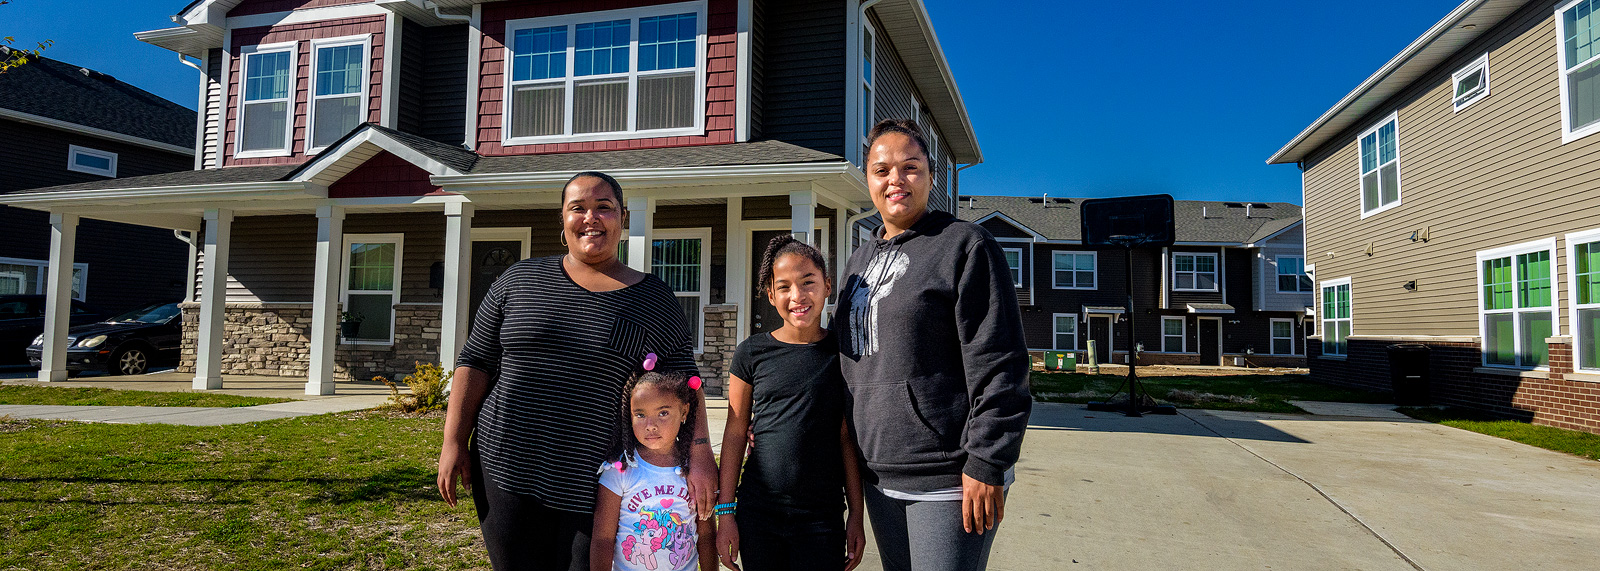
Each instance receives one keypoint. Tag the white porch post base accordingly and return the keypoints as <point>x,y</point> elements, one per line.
<point>58,296</point>
<point>457,282</point>
<point>641,230</point>
<point>325,300</point>
<point>213,300</point>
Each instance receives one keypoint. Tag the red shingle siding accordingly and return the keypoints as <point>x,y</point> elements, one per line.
<point>383,175</point>
<point>1556,401</point>
<point>248,7</point>
<point>300,33</point>
<point>721,51</point>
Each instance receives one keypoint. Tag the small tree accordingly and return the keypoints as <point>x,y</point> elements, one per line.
<point>11,57</point>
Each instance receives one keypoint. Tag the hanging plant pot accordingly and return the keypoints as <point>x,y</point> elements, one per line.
<point>349,329</point>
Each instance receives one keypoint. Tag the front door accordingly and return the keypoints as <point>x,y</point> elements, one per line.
<point>489,260</point>
<point>764,317</point>
<point>1210,341</point>
<point>1100,332</point>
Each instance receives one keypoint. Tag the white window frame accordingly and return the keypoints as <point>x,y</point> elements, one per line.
<point>1055,334</point>
<point>1022,266</point>
<point>869,78</point>
<point>294,78</point>
<point>80,272</point>
<point>571,21</point>
<point>1480,64</point>
<point>1216,271</point>
<point>704,235</point>
<point>1272,338</point>
<point>1183,337</point>
<point>1277,263</point>
<point>363,40</point>
<point>1393,117</point>
<point>1567,133</point>
<point>398,239</point>
<point>1053,271</point>
<point>1322,319</point>
<point>1572,241</point>
<point>1547,245</point>
<point>72,161</point>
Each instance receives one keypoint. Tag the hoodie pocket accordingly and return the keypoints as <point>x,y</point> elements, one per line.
<point>889,427</point>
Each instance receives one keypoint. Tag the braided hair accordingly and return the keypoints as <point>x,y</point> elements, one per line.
<point>784,245</point>
<point>675,383</point>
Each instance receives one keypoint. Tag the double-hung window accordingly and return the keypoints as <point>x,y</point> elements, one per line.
<point>28,277</point>
<point>267,101</point>
<point>1517,304</point>
<point>681,258</point>
<point>1282,336</point>
<point>1066,332</point>
<point>1172,334</point>
<point>1380,166</point>
<point>1194,272</point>
<point>1014,261</point>
<point>1336,317</point>
<point>1471,83</point>
<point>616,74</point>
<point>1579,53</point>
<point>372,285</point>
<point>91,161</point>
<point>1074,270</point>
<point>1583,269</point>
<point>338,83</point>
<point>1292,277</point>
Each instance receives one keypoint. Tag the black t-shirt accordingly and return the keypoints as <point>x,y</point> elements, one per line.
<point>797,406</point>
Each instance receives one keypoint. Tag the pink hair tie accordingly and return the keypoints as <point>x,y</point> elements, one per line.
<point>617,465</point>
<point>694,383</point>
<point>650,362</point>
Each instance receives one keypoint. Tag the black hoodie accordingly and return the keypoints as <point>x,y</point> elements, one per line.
<point>931,339</point>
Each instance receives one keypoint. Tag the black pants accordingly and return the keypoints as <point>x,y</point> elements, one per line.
<point>771,540</point>
<point>522,534</point>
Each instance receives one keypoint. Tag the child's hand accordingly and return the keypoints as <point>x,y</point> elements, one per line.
<point>728,542</point>
<point>855,541</point>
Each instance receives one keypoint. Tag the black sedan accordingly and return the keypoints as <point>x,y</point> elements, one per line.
<point>123,345</point>
<point>22,319</point>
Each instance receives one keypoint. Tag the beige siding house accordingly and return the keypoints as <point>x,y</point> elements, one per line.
<point>1452,200</point>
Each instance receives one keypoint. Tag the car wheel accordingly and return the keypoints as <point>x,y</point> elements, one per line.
<point>132,361</point>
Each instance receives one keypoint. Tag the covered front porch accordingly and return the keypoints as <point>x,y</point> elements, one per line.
<point>404,235</point>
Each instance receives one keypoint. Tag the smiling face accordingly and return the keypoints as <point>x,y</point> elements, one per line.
<point>592,220</point>
<point>656,415</point>
<point>899,181</point>
<point>799,290</point>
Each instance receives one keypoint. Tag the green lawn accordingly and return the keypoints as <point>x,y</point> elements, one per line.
<point>16,394</point>
<point>347,491</point>
<point>1254,393</point>
<point>1547,437</point>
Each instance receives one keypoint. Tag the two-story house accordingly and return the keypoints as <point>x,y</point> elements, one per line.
<point>70,124</point>
<point>391,157</point>
<point>1232,290</point>
<point>1449,202</point>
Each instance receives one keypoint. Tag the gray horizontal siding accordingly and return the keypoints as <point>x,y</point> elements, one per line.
<point>803,73</point>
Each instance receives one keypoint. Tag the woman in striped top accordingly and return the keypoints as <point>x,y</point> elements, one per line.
<point>539,383</point>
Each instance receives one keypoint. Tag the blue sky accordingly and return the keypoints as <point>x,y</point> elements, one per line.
<point>1068,98</point>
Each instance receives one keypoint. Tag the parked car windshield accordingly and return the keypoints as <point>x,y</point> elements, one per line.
<point>153,313</point>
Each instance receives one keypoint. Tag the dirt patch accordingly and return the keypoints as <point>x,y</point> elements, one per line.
<point>9,425</point>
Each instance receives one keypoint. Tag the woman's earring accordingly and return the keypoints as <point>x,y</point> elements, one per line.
<point>563,238</point>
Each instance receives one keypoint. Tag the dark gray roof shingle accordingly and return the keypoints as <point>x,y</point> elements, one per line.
<point>179,178</point>
<point>1194,220</point>
<point>62,91</point>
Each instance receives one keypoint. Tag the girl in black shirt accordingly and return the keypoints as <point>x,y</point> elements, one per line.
<point>786,391</point>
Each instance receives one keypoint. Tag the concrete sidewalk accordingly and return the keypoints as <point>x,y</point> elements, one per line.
<point>350,396</point>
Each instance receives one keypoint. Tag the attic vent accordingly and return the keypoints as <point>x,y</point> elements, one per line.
<point>1233,204</point>
<point>92,74</point>
<point>1260,205</point>
<point>1052,201</point>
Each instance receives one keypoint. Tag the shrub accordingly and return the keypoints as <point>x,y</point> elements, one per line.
<point>428,383</point>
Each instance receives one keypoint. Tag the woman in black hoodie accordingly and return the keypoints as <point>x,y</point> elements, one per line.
<point>933,354</point>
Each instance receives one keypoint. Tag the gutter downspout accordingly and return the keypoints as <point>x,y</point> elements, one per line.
<point>955,183</point>
<point>849,245</point>
<point>444,16</point>
<point>188,292</point>
<point>200,121</point>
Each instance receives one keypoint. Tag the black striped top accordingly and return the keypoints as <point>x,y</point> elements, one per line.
<point>559,356</point>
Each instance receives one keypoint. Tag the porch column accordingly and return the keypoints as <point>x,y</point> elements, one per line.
<point>803,215</point>
<point>213,300</point>
<point>736,273</point>
<point>457,282</point>
<point>58,296</point>
<point>641,231</point>
<point>325,300</point>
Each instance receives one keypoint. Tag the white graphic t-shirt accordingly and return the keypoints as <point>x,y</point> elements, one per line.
<point>656,530</point>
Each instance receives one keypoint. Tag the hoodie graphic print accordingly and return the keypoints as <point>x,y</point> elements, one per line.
<point>876,284</point>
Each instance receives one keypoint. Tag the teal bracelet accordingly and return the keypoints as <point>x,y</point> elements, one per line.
<point>725,509</point>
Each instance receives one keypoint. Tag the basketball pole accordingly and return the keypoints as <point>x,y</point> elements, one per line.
<point>1133,337</point>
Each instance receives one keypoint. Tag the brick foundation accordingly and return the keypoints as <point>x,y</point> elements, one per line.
<point>1545,397</point>
<point>274,340</point>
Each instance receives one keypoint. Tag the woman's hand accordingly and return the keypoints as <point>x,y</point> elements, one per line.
<point>855,540</point>
<point>702,481</point>
<point>728,542</point>
<point>982,505</point>
<point>453,465</point>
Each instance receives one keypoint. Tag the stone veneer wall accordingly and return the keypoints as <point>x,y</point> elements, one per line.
<point>273,339</point>
<point>722,332</point>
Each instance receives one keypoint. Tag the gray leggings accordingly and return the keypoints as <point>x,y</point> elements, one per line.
<point>925,536</point>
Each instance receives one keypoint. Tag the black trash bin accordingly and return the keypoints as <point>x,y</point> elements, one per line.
<point>1408,373</point>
